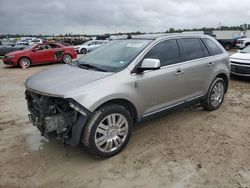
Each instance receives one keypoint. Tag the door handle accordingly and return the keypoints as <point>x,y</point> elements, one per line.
<point>210,64</point>
<point>179,72</point>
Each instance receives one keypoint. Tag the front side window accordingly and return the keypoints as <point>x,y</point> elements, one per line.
<point>212,47</point>
<point>192,48</point>
<point>167,52</point>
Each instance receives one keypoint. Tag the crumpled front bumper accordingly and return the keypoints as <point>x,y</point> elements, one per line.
<point>67,125</point>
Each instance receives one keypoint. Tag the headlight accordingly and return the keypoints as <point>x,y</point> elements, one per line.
<point>77,108</point>
<point>76,48</point>
<point>10,56</point>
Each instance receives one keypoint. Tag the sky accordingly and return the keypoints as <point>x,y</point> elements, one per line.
<point>112,16</point>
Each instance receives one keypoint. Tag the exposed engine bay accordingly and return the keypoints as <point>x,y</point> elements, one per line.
<point>51,115</point>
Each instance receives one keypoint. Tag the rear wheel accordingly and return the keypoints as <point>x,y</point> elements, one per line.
<point>67,58</point>
<point>108,131</point>
<point>83,51</point>
<point>24,62</point>
<point>215,95</point>
<point>227,46</point>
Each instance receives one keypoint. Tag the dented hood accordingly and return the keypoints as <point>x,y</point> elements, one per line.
<point>62,79</point>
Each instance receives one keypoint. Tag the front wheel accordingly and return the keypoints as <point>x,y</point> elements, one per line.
<point>215,95</point>
<point>24,62</point>
<point>108,131</point>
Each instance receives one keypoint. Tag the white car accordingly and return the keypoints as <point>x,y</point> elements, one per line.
<point>240,62</point>
<point>22,43</point>
<point>242,43</point>
<point>36,41</point>
<point>89,46</point>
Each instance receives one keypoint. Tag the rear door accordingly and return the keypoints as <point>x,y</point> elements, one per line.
<point>57,52</point>
<point>195,66</point>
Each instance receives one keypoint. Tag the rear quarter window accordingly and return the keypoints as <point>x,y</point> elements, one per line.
<point>213,48</point>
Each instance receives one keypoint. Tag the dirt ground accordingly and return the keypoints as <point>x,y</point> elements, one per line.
<point>188,148</point>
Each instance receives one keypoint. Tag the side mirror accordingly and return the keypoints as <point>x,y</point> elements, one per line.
<point>149,64</point>
<point>34,50</point>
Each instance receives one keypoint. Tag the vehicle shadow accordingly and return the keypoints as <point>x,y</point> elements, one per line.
<point>240,78</point>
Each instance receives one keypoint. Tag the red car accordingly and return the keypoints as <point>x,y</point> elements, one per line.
<point>40,53</point>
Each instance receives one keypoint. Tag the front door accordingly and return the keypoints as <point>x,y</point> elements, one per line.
<point>42,53</point>
<point>162,88</point>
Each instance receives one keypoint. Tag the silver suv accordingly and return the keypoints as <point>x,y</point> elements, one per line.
<point>98,99</point>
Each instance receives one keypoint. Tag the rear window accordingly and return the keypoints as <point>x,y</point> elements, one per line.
<point>212,47</point>
<point>192,49</point>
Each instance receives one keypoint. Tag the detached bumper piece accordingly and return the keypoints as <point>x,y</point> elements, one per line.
<point>240,69</point>
<point>54,117</point>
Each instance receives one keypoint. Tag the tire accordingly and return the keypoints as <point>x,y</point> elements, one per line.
<point>103,139</point>
<point>215,95</point>
<point>67,58</point>
<point>83,51</point>
<point>24,62</point>
<point>227,46</point>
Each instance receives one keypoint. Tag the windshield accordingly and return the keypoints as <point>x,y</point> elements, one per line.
<point>87,43</point>
<point>246,50</point>
<point>115,55</point>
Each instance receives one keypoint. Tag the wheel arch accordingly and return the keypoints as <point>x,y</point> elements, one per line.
<point>18,61</point>
<point>225,78</point>
<point>126,104</point>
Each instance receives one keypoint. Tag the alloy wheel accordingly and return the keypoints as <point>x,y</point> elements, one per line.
<point>111,133</point>
<point>217,94</point>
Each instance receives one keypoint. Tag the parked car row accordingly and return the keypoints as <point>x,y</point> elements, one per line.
<point>7,47</point>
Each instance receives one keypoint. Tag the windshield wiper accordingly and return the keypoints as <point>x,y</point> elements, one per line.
<point>89,66</point>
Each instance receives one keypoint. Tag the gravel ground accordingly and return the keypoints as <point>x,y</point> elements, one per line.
<point>188,148</point>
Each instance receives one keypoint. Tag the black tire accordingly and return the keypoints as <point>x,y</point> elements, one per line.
<point>227,46</point>
<point>84,51</point>
<point>90,134</point>
<point>24,62</point>
<point>207,103</point>
<point>67,58</point>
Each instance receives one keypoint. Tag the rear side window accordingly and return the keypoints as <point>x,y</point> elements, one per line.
<point>212,47</point>
<point>167,52</point>
<point>192,49</point>
<point>204,49</point>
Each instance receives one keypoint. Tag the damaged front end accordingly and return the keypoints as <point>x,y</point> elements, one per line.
<point>56,117</point>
